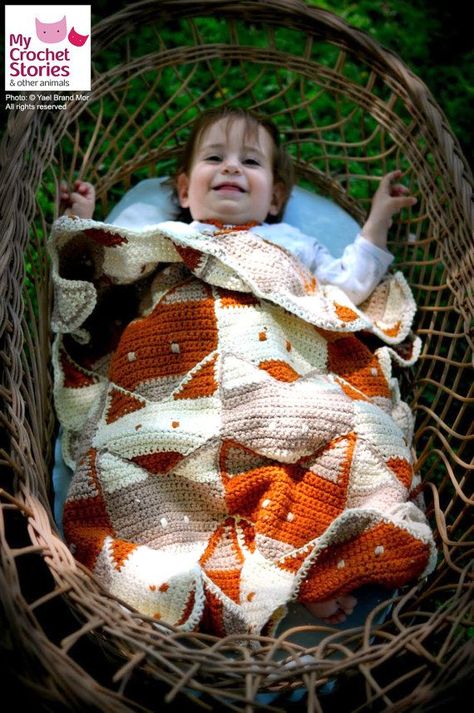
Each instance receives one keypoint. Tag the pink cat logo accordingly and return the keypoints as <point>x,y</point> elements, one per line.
<point>51,31</point>
<point>75,38</point>
<point>56,32</point>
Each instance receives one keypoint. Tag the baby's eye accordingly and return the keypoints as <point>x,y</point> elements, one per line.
<point>213,157</point>
<point>251,162</point>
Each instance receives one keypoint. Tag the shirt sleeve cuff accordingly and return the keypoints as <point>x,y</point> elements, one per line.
<point>384,257</point>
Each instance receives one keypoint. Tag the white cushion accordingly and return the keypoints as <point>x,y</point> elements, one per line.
<point>149,202</point>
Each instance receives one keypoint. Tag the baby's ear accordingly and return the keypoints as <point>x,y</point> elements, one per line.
<point>278,198</point>
<point>182,187</point>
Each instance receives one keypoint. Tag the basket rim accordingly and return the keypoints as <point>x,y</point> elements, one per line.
<point>288,10</point>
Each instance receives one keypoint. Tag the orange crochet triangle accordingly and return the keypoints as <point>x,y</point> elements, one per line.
<point>223,551</point>
<point>213,615</point>
<point>230,298</point>
<point>294,562</point>
<point>190,256</point>
<point>87,540</point>
<point>350,391</point>
<point>344,313</point>
<point>74,377</point>
<point>279,369</point>
<point>120,404</point>
<point>402,469</point>
<point>228,582</point>
<point>248,532</point>
<point>120,551</point>
<point>188,608</point>
<point>159,463</point>
<point>202,383</point>
<point>354,362</point>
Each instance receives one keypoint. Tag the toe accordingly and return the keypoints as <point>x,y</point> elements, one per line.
<point>347,603</point>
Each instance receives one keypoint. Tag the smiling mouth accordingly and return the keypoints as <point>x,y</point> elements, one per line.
<point>229,187</point>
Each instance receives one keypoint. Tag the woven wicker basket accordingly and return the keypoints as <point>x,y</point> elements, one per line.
<point>349,111</point>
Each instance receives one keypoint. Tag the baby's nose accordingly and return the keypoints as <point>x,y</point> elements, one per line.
<point>231,166</point>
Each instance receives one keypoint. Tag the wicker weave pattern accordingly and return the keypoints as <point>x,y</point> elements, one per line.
<point>379,116</point>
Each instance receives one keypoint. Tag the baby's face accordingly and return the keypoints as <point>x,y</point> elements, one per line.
<point>231,176</point>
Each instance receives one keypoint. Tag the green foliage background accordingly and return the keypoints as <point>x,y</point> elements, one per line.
<point>433,37</point>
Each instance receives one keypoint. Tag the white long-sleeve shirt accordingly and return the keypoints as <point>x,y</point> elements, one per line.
<point>357,272</point>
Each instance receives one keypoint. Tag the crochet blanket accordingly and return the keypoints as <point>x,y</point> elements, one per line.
<point>236,431</point>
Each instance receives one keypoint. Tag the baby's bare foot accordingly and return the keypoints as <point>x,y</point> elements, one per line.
<point>333,611</point>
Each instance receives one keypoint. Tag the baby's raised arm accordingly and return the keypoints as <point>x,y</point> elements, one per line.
<point>388,199</point>
<point>365,261</point>
<point>80,201</point>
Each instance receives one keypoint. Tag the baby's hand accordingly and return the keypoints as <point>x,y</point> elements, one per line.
<point>388,199</point>
<point>80,201</point>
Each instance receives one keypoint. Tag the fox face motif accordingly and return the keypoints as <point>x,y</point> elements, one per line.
<point>50,32</point>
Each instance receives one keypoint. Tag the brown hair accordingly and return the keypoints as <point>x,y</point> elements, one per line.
<point>283,171</point>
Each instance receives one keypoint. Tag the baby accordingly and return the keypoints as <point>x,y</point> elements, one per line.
<point>235,172</point>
